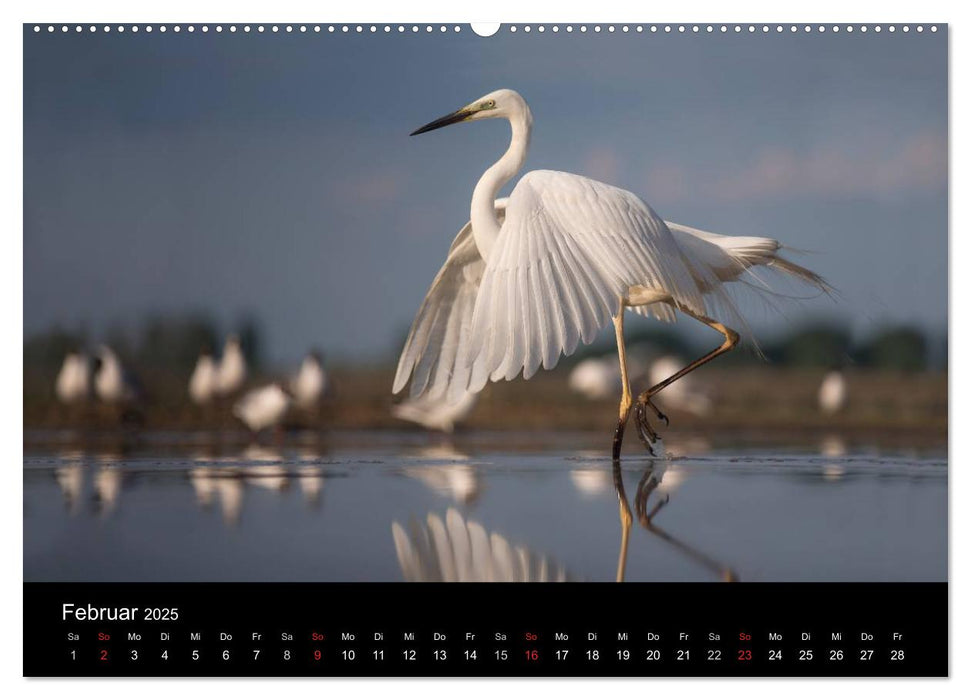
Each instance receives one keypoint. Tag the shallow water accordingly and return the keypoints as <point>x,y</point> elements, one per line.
<point>411,507</point>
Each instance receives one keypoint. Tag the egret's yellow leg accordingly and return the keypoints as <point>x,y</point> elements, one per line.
<point>626,519</point>
<point>625,522</point>
<point>645,431</point>
<point>625,396</point>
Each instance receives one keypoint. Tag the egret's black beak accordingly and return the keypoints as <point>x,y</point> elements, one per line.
<point>453,118</point>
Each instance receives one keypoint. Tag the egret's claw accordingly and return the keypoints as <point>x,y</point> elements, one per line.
<point>657,412</point>
<point>644,430</point>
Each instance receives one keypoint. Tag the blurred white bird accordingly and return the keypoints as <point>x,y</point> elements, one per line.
<point>459,551</point>
<point>832,392</point>
<point>231,373</point>
<point>112,383</point>
<point>310,382</point>
<point>262,408</point>
<point>202,383</point>
<point>684,395</point>
<point>74,380</point>
<point>568,255</point>
<point>436,414</point>
<point>596,378</point>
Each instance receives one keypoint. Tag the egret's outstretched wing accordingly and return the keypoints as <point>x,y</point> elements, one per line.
<point>569,249</point>
<point>438,342</point>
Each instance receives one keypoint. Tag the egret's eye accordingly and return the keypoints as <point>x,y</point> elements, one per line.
<point>488,104</point>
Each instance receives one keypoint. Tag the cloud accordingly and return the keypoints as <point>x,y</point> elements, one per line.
<point>602,163</point>
<point>377,188</point>
<point>904,168</point>
<point>667,182</point>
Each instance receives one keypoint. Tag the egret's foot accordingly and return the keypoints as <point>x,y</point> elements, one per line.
<point>657,506</point>
<point>657,411</point>
<point>644,430</point>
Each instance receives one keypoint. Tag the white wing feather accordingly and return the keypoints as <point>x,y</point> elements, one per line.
<point>438,342</point>
<point>569,250</point>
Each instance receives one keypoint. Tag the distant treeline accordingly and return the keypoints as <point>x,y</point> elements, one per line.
<point>161,342</point>
<point>821,344</point>
<point>172,343</point>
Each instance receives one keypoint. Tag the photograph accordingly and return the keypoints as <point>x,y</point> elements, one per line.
<point>392,304</point>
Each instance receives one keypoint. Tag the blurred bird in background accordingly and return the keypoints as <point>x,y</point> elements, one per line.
<point>441,414</point>
<point>73,383</point>
<point>231,373</point>
<point>263,408</point>
<point>113,383</point>
<point>832,392</point>
<point>596,378</point>
<point>685,395</point>
<point>202,383</point>
<point>309,384</point>
<point>118,388</point>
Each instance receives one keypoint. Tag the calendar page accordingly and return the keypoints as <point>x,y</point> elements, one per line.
<point>547,349</point>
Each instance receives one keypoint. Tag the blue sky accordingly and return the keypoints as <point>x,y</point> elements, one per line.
<point>273,174</point>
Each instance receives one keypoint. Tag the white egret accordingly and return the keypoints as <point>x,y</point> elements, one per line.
<point>73,382</point>
<point>832,392</point>
<point>232,368</point>
<point>560,259</point>
<point>441,413</point>
<point>112,382</point>
<point>263,407</point>
<point>202,383</point>
<point>310,381</point>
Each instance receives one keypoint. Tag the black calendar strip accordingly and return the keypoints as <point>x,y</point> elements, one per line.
<point>695,629</point>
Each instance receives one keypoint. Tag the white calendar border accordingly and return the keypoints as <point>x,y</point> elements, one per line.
<point>11,355</point>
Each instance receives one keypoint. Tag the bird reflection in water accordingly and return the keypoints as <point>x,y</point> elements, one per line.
<point>310,478</point>
<point>107,483</point>
<point>107,480</point>
<point>224,479</point>
<point>70,478</point>
<point>833,446</point>
<point>658,481</point>
<point>591,479</point>
<point>266,469</point>
<point>212,482</point>
<point>460,550</point>
<point>449,475</point>
<point>590,482</point>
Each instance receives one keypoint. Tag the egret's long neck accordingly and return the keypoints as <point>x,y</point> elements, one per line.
<point>485,223</point>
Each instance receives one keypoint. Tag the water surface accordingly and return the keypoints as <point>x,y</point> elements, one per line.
<point>411,507</point>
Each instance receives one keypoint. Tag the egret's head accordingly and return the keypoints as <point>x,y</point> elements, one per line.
<point>505,104</point>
